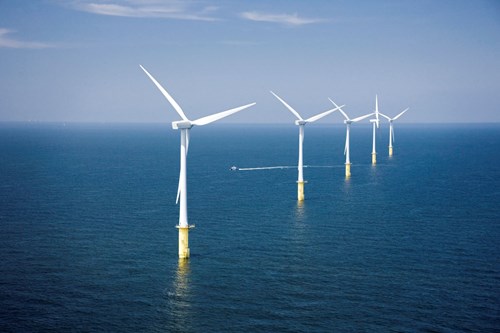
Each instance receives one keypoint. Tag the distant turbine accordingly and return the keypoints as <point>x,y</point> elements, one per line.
<point>185,125</point>
<point>348,123</point>
<point>391,129</point>
<point>301,123</point>
<point>375,122</point>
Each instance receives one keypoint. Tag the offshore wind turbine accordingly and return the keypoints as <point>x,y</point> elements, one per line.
<point>301,122</point>
<point>375,122</point>
<point>348,122</point>
<point>184,126</point>
<point>391,129</point>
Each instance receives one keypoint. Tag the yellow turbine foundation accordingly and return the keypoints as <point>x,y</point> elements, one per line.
<point>374,158</point>
<point>184,241</point>
<point>390,151</point>
<point>348,170</point>
<point>300,191</point>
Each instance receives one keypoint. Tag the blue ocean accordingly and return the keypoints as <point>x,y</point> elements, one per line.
<point>88,240</point>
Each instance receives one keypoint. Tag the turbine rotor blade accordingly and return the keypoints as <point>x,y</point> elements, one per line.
<point>376,109</point>
<point>362,117</point>
<point>341,111</point>
<point>288,107</point>
<point>344,114</point>
<point>399,115</point>
<point>178,188</point>
<point>167,95</point>
<point>346,143</point>
<point>383,115</point>
<point>321,115</point>
<point>217,116</point>
<point>186,133</point>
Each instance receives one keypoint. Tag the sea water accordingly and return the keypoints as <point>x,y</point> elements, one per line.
<point>88,240</point>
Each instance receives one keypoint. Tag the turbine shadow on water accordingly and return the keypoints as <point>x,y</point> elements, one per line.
<point>180,299</point>
<point>300,212</point>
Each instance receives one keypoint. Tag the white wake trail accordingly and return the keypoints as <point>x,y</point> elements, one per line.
<point>267,168</point>
<point>285,167</point>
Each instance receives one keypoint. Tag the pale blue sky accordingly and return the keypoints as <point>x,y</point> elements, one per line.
<point>79,60</point>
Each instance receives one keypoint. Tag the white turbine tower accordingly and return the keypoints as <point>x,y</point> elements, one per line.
<point>375,122</point>
<point>301,123</point>
<point>184,126</point>
<point>391,129</point>
<point>348,123</point>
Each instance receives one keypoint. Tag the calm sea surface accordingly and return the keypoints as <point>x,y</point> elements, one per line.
<point>88,240</point>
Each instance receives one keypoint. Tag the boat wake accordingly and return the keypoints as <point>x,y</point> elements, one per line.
<point>234,168</point>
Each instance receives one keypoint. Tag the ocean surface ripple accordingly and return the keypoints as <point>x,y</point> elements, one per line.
<point>89,244</point>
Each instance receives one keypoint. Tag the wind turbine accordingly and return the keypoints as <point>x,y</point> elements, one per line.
<point>375,122</point>
<point>348,123</point>
<point>184,126</point>
<point>391,129</point>
<point>301,123</point>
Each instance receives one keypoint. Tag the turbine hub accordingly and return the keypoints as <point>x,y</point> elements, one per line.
<point>300,122</point>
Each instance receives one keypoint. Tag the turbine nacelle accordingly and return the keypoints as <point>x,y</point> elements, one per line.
<point>181,124</point>
<point>300,122</point>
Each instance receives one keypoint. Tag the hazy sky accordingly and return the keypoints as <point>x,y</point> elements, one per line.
<point>78,60</point>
